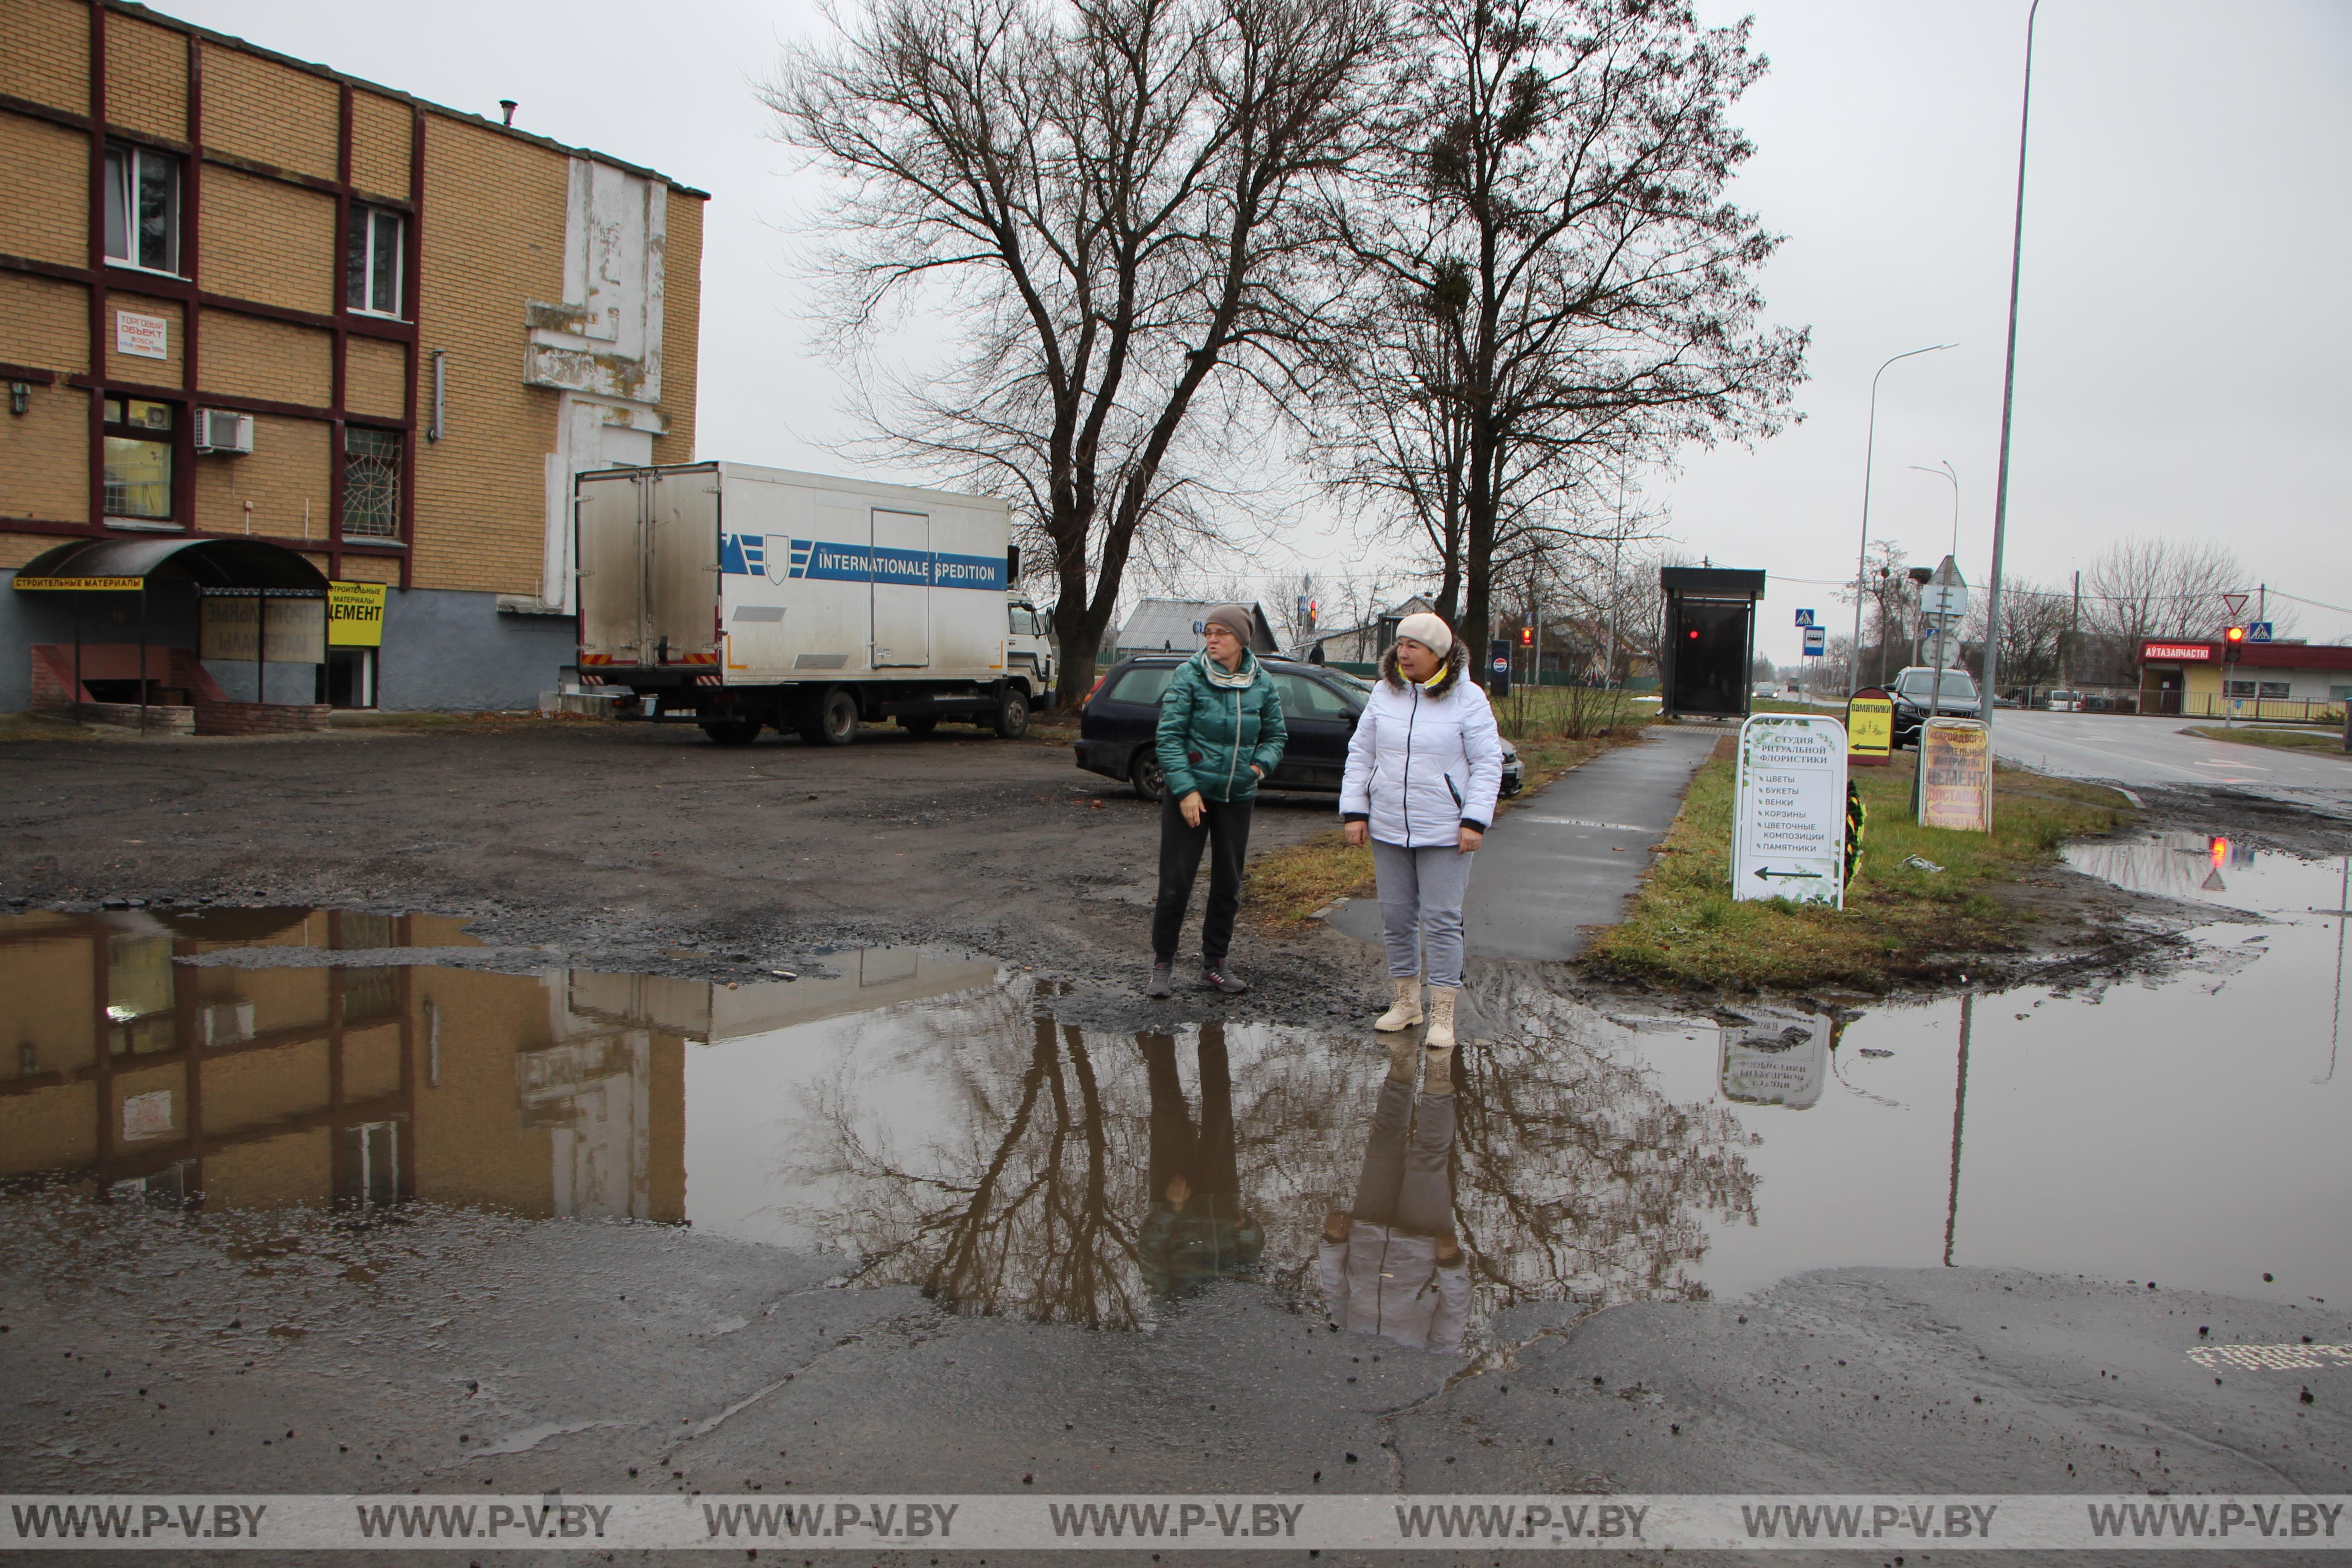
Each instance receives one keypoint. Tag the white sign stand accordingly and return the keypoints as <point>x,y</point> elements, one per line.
<point>1789,814</point>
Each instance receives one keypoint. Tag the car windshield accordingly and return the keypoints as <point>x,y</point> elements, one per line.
<point>1919,685</point>
<point>1355,683</point>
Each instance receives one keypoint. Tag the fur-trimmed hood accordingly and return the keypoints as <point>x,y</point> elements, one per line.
<point>1457,660</point>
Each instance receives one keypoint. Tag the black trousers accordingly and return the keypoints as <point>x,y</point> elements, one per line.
<point>1224,832</point>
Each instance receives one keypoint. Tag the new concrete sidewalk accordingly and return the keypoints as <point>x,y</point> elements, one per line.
<point>1569,856</point>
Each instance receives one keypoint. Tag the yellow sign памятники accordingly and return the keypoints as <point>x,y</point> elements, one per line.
<point>1869,728</point>
<point>355,614</point>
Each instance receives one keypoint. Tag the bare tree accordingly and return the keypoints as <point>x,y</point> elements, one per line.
<point>2034,621</point>
<point>1553,285</point>
<point>1102,198</point>
<point>2142,587</point>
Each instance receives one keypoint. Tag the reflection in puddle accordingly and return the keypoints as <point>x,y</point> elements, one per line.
<point>925,1115</point>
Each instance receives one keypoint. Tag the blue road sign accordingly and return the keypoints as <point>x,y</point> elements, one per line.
<point>2258,631</point>
<point>1804,617</point>
<point>1816,641</point>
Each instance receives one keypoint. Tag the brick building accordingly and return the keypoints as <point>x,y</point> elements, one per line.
<point>245,296</point>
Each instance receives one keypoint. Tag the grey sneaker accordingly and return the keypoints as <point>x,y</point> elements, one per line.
<point>1164,981</point>
<point>1217,977</point>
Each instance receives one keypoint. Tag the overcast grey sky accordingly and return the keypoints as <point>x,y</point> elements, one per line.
<point>2186,322</point>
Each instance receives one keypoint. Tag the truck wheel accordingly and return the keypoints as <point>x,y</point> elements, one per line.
<point>1013,713</point>
<point>836,720</point>
<point>733,731</point>
<point>918,727</point>
<point>1145,774</point>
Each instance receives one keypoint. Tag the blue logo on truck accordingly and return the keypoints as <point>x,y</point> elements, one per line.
<point>752,555</point>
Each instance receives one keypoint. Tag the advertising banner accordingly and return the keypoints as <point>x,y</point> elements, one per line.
<point>1955,775</point>
<point>1869,728</point>
<point>355,614</point>
<point>1789,827</point>
<point>296,629</point>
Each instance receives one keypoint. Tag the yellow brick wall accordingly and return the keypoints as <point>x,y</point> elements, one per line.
<point>43,190</point>
<point>681,323</point>
<point>380,144</point>
<point>45,324</point>
<point>267,240</point>
<point>49,1127</point>
<point>16,548</point>
<point>370,569</point>
<point>271,1173</point>
<point>146,77</point>
<point>45,457</point>
<point>289,467</point>
<point>44,52</point>
<point>275,114</point>
<point>132,367</point>
<point>253,356</point>
<point>376,377</point>
<point>493,237</point>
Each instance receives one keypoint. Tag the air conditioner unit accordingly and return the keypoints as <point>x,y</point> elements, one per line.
<point>223,430</point>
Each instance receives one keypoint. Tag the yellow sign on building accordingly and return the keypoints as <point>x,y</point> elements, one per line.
<point>355,614</point>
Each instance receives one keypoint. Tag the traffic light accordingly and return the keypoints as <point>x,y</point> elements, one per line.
<point>2233,643</point>
<point>1314,608</point>
<point>1526,636</point>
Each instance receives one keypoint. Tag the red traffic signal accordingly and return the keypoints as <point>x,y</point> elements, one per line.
<point>2233,643</point>
<point>1526,636</point>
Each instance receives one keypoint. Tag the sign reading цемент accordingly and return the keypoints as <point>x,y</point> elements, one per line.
<point>1789,825</point>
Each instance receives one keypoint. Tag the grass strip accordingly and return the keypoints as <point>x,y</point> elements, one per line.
<point>2290,739</point>
<point>1686,930</point>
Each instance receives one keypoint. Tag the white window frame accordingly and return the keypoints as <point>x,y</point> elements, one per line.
<point>364,219</point>
<point>123,186</point>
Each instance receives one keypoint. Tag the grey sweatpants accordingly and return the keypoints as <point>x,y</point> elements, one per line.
<point>1421,908</point>
<point>1404,1183</point>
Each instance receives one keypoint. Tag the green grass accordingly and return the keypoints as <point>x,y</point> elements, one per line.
<point>2329,740</point>
<point>1572,713</point>
<point>1684,928</point>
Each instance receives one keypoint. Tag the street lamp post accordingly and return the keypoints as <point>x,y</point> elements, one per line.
<point>2008,399</point>
<point>1936,697</point>
<point>1862,556</point>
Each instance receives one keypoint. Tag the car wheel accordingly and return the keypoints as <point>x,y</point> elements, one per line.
<point>1145,775</point>
<point>733,731</point>
<point>919,728</point>
<point>1013,713</point>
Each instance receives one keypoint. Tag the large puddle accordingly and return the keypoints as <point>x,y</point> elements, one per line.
<point>924,1116</point>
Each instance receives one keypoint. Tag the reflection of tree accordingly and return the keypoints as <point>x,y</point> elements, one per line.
<point>1575,1179</point>
<point>1025,1210</point>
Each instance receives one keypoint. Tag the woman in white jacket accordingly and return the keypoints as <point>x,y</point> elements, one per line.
<point>1423,770</point>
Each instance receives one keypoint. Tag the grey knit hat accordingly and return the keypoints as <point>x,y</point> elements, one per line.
<point>1235,619</point>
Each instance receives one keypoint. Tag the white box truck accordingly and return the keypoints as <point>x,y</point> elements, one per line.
<point>735,597</point>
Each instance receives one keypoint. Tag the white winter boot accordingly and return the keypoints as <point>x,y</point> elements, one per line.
<point>1406,1013</point>
<point>1439,1078</point>
<point>1439,1037</point>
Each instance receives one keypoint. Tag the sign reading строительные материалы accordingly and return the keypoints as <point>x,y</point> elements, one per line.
<point>1788,816</point>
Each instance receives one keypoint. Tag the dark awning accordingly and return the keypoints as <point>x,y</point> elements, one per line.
<point>247,563</point>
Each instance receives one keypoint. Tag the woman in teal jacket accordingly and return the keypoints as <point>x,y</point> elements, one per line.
<point>1219,731</point>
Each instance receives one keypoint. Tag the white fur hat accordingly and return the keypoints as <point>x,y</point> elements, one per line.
<point>1430,631</point>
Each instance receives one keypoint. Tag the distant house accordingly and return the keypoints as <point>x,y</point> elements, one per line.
<point>1173,626</point>
<point>1366,643</point>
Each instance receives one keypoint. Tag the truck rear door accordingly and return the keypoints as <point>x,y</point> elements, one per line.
<point>612,569</point>
<point>682,565</point>
<point>900,566</point>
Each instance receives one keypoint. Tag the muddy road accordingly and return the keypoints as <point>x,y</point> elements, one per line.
<point>613,844</point>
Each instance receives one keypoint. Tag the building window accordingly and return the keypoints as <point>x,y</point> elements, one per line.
<point>372,270</point>
<point>2237,688</point>
<point>138,459</point>
<point>143,209</point>
<point>2277,690</point>
<point>370,483</point>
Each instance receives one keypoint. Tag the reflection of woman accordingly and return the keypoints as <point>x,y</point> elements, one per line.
<point>1196,1230</point>
<point>1423,769</point>
<point>1391,1267</point>
<point>1219,731</point>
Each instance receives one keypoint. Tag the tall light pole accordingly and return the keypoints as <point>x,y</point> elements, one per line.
<point>1862,556</point>
<point>1935,697</point>
<point>2007,401</point>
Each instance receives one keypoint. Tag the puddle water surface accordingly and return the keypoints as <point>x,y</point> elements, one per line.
<point>924,1115</point>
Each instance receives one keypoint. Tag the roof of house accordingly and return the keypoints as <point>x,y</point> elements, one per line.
<point>1175,625</point>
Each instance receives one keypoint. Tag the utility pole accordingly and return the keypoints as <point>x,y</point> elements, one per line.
<point>2073,630</point>
<point>2008,402</point>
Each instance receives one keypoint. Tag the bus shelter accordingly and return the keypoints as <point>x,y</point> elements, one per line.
<point>1709,647</point>
<point>141,632</point>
